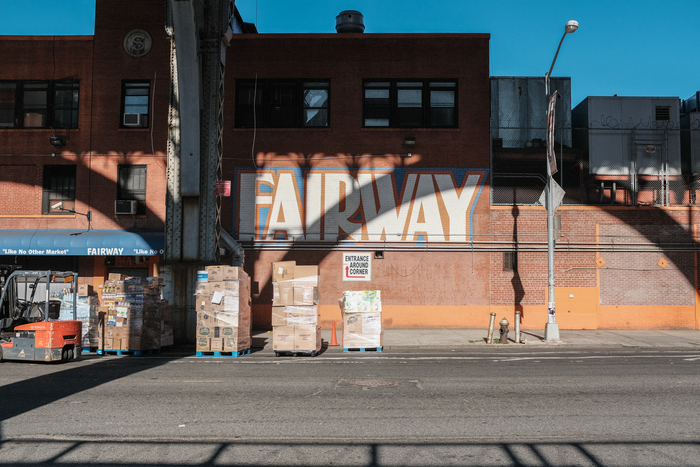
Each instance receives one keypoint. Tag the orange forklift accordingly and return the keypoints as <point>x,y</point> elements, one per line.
<point>30,329</point>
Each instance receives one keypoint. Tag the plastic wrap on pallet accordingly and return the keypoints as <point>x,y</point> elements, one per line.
<point>362,301</point>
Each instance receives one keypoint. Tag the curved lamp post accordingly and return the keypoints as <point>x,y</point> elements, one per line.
<point>551,329</point>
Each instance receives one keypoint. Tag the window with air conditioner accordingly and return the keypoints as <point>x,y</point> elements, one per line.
<point>131,190</point>
<point>136,99</point>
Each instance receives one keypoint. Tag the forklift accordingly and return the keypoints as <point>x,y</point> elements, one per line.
<point>30,329</point>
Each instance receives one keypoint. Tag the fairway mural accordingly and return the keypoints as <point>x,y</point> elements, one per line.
<point>362,205</point>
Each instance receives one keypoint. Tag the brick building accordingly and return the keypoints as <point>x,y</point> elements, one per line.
<point>335,144</point>
<point>83,185</point>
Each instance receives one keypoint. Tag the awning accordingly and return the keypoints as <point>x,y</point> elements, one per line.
<point>63,242</point>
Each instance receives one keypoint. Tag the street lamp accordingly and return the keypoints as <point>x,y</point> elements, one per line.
<point>554,194</point>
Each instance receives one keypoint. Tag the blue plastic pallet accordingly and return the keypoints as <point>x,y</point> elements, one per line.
<point>362,349</point>
<point>128,353</point>
<point>218,353</point>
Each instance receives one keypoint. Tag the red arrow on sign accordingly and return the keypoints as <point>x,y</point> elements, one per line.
<point>347,273</point>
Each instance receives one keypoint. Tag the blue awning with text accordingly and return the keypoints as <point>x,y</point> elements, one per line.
<point>55,242</point>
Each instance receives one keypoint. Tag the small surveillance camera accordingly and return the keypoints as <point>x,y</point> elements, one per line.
<point>57,205</point>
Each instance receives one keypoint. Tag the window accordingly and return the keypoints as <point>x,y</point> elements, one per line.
<point>59,186</point>
<point>410,104</point>
<point>39,104</point>
<point>131,185</point>
<point>282,104</point>
<point>510,261</point>
<point>135,104</point>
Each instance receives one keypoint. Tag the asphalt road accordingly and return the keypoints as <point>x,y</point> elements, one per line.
<point>475,407</point>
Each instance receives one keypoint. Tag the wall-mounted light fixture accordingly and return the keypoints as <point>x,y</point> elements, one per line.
<point>57,141</point>
<point>409,141</point>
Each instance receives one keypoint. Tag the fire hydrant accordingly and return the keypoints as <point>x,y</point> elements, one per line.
<point>504,331</point>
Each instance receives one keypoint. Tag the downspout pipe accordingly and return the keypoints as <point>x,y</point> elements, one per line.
<point>232,245</point>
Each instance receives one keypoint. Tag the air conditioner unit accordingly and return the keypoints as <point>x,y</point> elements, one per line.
<point>134,120</point>
<point>125,206</point>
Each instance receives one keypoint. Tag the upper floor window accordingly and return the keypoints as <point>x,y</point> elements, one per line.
<point>409,104</point>
<point>282,103</point>
<point>39,104</point>
<point>58,193</point>
<point>135,103</point>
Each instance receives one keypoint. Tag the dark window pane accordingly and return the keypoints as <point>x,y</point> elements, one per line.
<point>316,117</point>
<point>443,117</point>
<point>7,104</point>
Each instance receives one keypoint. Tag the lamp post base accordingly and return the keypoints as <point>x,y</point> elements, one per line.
<point>551,332</point>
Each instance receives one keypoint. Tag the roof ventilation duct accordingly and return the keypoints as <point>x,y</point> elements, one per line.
<point>350,21</point>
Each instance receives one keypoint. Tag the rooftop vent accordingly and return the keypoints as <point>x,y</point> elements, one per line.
<point>350,21</point>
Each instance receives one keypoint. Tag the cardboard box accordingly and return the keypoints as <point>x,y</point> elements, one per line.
<point>113,276</point>
<point>283,270</point>
<point>225,273</point>
<point>283,338</point>
<point>282,293</point>
<point>203,288</point>
<point>84,290</point>
<point>362,341</point>
<point>217,344</point>
<point>203,343</point>
<point>362,330</point>
<point>306,276</point>
<point>232,287</point>
<point>305,295</point>
<point>307,338</point>
<point>295,315</point>
<point>235,343</point>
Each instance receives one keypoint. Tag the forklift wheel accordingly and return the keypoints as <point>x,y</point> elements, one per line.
<point>70,354</point>
<point>64,355</point>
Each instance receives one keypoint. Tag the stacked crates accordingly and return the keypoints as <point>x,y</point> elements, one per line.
<point>133,317</point>
<point>295,313</point>
<point>86,312</point>
<point>223,312</point>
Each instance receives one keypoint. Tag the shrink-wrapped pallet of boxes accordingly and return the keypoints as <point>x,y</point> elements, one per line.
<point>223,312</point>
<point>362,320</point>
<point>295,315</point>
<point>132,310</point>
<point>86,312</point>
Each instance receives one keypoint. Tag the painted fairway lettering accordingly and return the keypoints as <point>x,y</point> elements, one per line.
<point>382,205</point>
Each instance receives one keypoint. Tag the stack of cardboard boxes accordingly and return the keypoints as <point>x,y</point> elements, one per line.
<point>132,310</point>
<point>223,310</point>
<point>362,319</point>
<point>295,308</point>
<point>87,308</point>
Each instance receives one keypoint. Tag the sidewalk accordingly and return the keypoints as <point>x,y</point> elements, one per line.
<point>461,338</point>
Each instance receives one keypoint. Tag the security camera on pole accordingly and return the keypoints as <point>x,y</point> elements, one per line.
<point>552,195</point>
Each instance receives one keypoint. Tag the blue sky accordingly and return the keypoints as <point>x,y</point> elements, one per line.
<point>623,47</point>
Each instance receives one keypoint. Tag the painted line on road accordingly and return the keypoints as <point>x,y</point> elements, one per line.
<point>499,358</point>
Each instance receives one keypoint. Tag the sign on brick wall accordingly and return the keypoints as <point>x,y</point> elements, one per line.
<point>363,205</point>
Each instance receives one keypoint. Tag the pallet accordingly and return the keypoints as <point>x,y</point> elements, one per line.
<point>221,353</point>
<point>128,353</point>
<point>295,353</point>
<point>362,349</point>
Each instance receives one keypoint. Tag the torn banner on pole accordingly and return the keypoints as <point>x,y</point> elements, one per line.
<point>551,157</point>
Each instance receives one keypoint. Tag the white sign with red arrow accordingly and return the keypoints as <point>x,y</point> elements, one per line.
<point>357,266</point>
